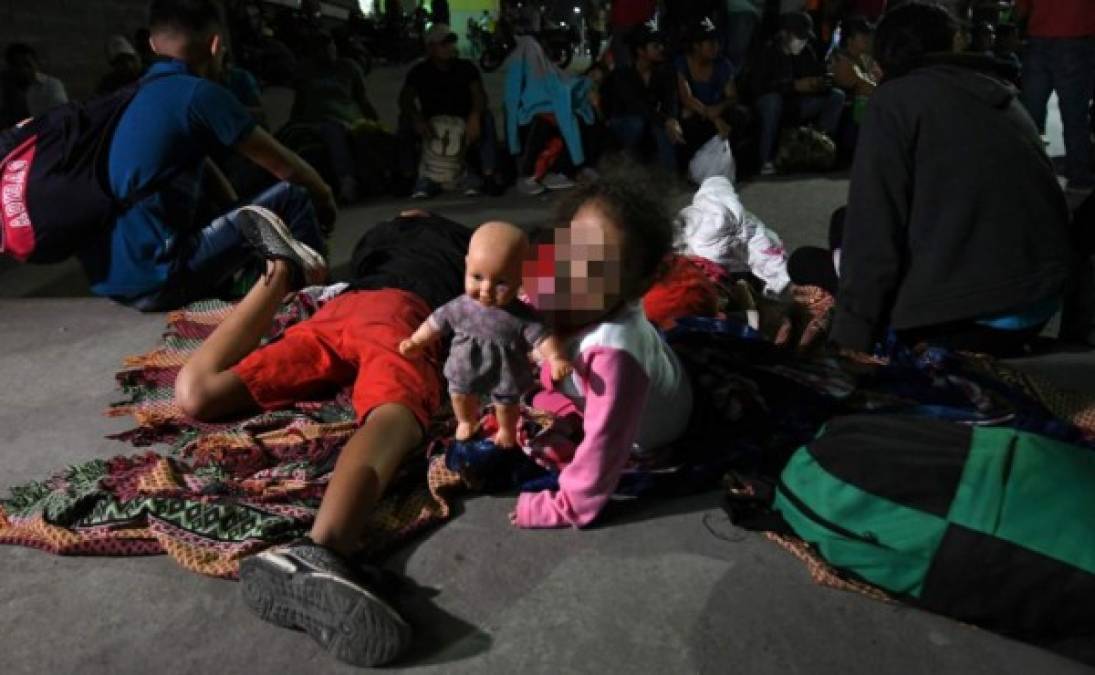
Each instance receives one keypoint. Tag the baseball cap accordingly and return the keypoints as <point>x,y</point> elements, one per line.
<point>703,29</point>
<point>798,24</point>
<point>644,34</point>
<point>439,33</point>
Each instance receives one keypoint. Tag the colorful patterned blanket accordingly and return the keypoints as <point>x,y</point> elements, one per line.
<point>220,491</point>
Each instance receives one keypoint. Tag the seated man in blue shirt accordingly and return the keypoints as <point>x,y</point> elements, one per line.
<point>163,252</point>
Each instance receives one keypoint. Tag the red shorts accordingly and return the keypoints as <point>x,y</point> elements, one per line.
<point>353,339</point>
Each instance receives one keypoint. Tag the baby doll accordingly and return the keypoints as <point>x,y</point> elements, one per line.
<point>493,333</point>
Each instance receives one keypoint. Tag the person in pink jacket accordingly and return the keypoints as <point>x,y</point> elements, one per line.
<point>628,391</point>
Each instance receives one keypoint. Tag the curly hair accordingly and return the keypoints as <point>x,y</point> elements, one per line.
<point>636,199</point>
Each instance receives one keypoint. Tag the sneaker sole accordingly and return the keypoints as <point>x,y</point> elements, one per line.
<point>347,620</point>
<point>307,255</point>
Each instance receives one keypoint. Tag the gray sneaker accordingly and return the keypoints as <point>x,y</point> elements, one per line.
<point>310,587</point>
<point>271,239</point>
<point>557,181</point>
<point>530,186</point>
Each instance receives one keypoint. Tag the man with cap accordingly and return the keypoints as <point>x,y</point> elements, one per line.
<point>790,77</point>
<point>626,17</point>
<point>444,84</point>
<point>640,99</point>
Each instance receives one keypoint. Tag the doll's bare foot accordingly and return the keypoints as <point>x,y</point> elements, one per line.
<point>465,430</point>
<point>505,438</point>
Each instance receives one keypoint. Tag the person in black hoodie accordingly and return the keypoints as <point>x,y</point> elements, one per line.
<point>956,231</point>
<point>789,77</point>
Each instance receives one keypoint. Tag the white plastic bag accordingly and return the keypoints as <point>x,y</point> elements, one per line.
<point>714,158</point>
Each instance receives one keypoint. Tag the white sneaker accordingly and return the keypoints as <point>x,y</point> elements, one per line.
<point>530,186</point>
<point>557,181</point>
<point>769,169</point>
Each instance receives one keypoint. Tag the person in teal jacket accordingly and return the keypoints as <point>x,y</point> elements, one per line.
<point>534,85</point>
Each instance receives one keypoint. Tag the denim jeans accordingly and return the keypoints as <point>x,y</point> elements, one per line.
<point>1067,66</point>
<point>825,109</point>
<point>631,131</point>
<point>207,259</point>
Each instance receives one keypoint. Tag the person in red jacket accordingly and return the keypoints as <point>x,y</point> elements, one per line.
<point>1060,56</point>
<point>625,16</point>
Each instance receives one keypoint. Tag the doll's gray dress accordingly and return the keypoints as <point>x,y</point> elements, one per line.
<point>490,346</point>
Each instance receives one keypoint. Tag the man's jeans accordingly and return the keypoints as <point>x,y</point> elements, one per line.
<point>632,130</point>
<point>207,259</point>
<point>1067,66</point>
<point>825,108</point>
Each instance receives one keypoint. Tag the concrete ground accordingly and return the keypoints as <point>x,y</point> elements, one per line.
<point>667,587</point>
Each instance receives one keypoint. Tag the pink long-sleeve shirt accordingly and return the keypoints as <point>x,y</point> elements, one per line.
<point>630,391</point>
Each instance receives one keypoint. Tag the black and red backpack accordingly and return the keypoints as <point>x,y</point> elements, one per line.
<point>55,194</point>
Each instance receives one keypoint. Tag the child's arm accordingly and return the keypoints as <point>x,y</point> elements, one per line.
<point>615,398</point>
<point>426,333</point>
<point>552,350</point>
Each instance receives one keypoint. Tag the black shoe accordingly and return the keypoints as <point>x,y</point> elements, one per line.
<point>310,587</point>
<point>269,236</point>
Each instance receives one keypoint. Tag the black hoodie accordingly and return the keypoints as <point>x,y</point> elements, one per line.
<point>954,210</point>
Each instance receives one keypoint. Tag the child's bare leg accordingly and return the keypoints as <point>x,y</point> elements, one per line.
<point>363,471</point>
<point>205,388</point>
<point>508,415</point>
<point>466,409</point>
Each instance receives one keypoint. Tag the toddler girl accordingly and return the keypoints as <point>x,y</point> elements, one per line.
<point>627,390</point>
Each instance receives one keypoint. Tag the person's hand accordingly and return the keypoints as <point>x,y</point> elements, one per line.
<point>323,199</point>
<point>722,127</point>
<point>513,518</point>
<point>409,348</point>
<point>423,129</point>
<point>560,368</point>
<point>415,213</point>
<point>474,130</point>
<point>675,132</point>
<point>809,316</point>
<point>808,85</point>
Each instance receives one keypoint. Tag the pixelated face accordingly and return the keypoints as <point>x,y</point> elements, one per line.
<point>578,278</point>
<point>491,280</point>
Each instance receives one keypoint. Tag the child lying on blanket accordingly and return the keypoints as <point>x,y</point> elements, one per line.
<point>493,334</point>
<point>410,266</point>
<point>628,390</point>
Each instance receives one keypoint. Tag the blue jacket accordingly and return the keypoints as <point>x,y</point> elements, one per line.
<point>534,86</point>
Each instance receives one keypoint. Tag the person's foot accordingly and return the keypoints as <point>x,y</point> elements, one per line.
<point>465,430</point>
<point>557,181</point>
<point>310,587</point>
<point>588,175</point>
<point>768,169</point>
<point>425,189</point>
<point>270,238</point>
<point>506,438</point>
<point>530,186</point>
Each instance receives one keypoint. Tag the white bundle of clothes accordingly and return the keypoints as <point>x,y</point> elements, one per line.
<point>717,226</point>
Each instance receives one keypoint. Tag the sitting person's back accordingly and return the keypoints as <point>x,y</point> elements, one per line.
<point>956,224</point>
<point>162,140</point>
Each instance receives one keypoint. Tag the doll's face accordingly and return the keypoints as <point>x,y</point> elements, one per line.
<point>492,273</point>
